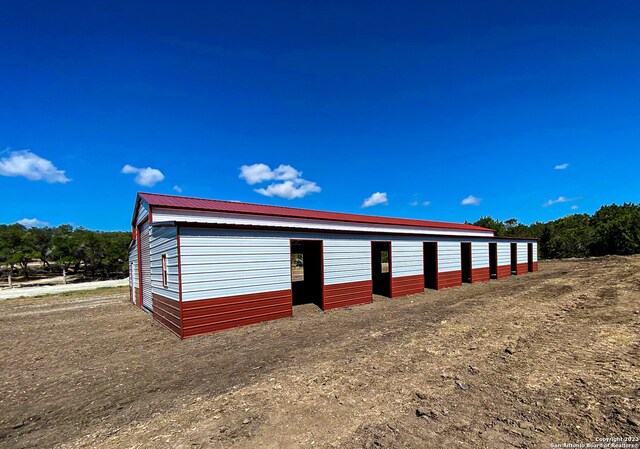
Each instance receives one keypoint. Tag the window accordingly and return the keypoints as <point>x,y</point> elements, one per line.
<point>165,274</point>
<point>384,258</point>
<point>297,267</point>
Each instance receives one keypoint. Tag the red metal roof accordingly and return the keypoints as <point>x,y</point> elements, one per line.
<point>181,202</point>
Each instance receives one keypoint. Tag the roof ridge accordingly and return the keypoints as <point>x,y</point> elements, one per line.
<point>243,202</point>
<point>412,221</point>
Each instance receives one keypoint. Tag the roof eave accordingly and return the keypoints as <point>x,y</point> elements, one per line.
<point>436,225</point>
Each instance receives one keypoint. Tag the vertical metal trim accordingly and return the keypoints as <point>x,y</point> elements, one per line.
<point>291,275</point>
<point>390,269</point>
<point>322,272</point>
<point>179,280</point>
<point>131,272</point>
<point>437,269</point>
<point>139,245</point>
<point>471,263</point>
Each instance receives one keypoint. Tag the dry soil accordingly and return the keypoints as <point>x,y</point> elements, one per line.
<point>546,358</point>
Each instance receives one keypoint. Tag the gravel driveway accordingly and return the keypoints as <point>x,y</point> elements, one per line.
<point>21,292</point>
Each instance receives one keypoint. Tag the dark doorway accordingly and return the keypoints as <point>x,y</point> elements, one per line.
<point>465,261</point>
<point>306,272</point>
<point>514,258</point>
<point>493,260</point>
<point>530,257</point>
<point>381,268</point>
<point>430,264</point>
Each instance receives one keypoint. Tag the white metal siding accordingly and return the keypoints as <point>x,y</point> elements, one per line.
<point>164,241</point>
<point>522,253</point>
<point>346,259</point>
<point>133,272</point>
<point>406,258</point>
<point>448,256</point>
<point>479,254</point>
<point>535,252</point>
<point>160,214</point>
<point>504,253</point>
<point>219,263</point>
<point>143,211</point>
<point>145,267</point>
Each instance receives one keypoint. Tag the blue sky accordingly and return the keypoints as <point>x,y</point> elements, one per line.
<point>409,108</point>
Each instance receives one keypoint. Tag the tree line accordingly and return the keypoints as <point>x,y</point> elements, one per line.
<point>612,229</point>
<point>64,249</point>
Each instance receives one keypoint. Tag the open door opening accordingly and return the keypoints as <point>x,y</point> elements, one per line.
<point>430,265</point>
<point>465,261</point>
<point>514,258</point>
<point>306,272</point>
<point>381,268</point>
<point>493,260</point>
<point>530,257</point>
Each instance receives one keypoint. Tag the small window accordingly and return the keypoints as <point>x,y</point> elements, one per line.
<point>165,274</point>
<point>384,258</point>
<point>297,267</point>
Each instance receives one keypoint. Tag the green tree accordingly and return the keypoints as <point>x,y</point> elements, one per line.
<point>64,249</point>
<point>11,238</point>
<point>616,229</point>
<point>569,236</point>
<point>41,241</point>
<point>491,223</point>
<point>116,253</point>
<point>25,251</point>
<point>513,228</point>
<point>88,251</point>
<point>93,253</point>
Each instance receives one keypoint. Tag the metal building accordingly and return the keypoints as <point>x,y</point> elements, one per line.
<point>202,266</point>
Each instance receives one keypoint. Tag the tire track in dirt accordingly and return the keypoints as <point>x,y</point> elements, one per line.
<point>385,344</point>
<point>343,328</point>
<point>348,378</point>
<point>520,426</point>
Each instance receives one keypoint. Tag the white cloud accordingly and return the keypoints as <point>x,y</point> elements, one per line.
<point>32,223</point>
<point>426,203</point>
<point>292,184</point>
<point>471,201</point>
<point>416,203</point>
<point>574,207</point>
<point>286,173</point>
<point>375,199</point>
<point>31,166</point>
<point>147,177</point>
<point>258,173</point>
<point>561,166</point>
<point>290,189</point>
<point>560,199</point>
<point>177,188</point>
<point>413,203</point>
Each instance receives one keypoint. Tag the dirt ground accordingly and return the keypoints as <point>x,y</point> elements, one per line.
<point>546,358</point>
